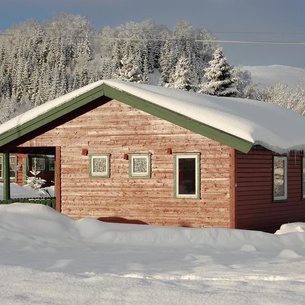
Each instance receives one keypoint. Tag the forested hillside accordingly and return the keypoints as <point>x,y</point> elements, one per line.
<point>41,61</point>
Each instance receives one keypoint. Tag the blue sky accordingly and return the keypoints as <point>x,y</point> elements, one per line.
<point>230,20</point>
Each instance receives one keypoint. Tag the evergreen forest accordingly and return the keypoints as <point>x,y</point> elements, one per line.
<point>40,61</point>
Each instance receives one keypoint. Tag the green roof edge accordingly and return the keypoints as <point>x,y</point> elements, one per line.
<point>131,100</point>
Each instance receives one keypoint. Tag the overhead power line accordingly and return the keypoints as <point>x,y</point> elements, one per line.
<point>260,33</point>
<point>260,42</point>
<point>270,42</point>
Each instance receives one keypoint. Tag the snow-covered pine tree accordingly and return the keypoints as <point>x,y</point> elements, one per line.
<point>145,70</point>
<point>164,63</point>
<point>219,76</point>
<point>183,76</point>
<point>131,65</point>
<point>40,61</point>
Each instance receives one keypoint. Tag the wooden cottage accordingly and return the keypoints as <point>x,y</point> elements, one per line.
<point>137,153</point>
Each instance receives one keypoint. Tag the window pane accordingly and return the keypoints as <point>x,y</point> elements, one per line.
<point>13,167</point>
<point>139,165</point>
<point>99,166</point>
<point>38,164</point>
<point>187,176</point>
<point>279,178</point>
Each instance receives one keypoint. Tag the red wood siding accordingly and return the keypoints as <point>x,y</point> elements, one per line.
<point>117,129</point>
<point>255,208</point>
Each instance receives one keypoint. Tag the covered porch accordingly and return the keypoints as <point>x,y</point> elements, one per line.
<point>43,161</point>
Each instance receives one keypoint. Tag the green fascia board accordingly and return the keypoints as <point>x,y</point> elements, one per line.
<point>131,100</point>
<point>178,119</point>
<point>51,115</point>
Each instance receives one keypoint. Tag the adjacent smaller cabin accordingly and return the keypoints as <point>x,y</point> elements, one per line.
<point>126,152</point>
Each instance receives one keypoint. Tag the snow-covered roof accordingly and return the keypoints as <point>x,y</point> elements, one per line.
<point>258,123</point>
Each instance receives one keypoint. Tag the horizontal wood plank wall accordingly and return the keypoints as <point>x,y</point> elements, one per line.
<point>117,129</point>
<point>255,208</point>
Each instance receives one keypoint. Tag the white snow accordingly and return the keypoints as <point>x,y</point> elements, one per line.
<point>18,191</point>
<point>49,258</point>
<point>269,75</point>
<point>27,191</point>
<point>269,125</point>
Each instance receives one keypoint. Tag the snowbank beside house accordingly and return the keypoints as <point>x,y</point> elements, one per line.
<point>47,257</point>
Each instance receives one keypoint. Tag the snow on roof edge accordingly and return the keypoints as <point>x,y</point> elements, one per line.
<point>274,127</point>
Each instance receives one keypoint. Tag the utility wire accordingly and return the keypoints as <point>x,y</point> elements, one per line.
<point>269,42</point>
<point>258,42</point>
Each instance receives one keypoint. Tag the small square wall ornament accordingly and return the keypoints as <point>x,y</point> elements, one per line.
<point>84,151</point>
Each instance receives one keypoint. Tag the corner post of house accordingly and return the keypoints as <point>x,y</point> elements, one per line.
<point>233,220</point>
<point>6,176</point>
<point>58,178</point>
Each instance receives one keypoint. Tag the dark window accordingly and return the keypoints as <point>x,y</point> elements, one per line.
<point>187,175</point>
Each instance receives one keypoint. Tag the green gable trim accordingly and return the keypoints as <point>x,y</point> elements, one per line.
<point>131,100</point>
<point>178,119</point>
<point>51,115</point>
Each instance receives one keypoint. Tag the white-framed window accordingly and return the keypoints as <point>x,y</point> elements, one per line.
<point>99,165</point>
<point>303,177</point>
<point>13,167</point>
<point>139,165</point>
<point>187,175</point>
<point>279,178</point>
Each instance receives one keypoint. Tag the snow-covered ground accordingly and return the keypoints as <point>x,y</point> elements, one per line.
<point>27,192</point>
<point>49,258</point>
<point>269,75</point>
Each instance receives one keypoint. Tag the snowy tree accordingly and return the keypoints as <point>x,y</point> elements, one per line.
<point>285,96</point>
<point>40,61</point>
<point>145,72</point>
<point>130,70</point>
<point>219,76</point>
<point>166,64</point>
<point>246,88</point>
<point>183,77</point>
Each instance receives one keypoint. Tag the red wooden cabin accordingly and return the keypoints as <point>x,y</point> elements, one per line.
<point>121,156</point>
